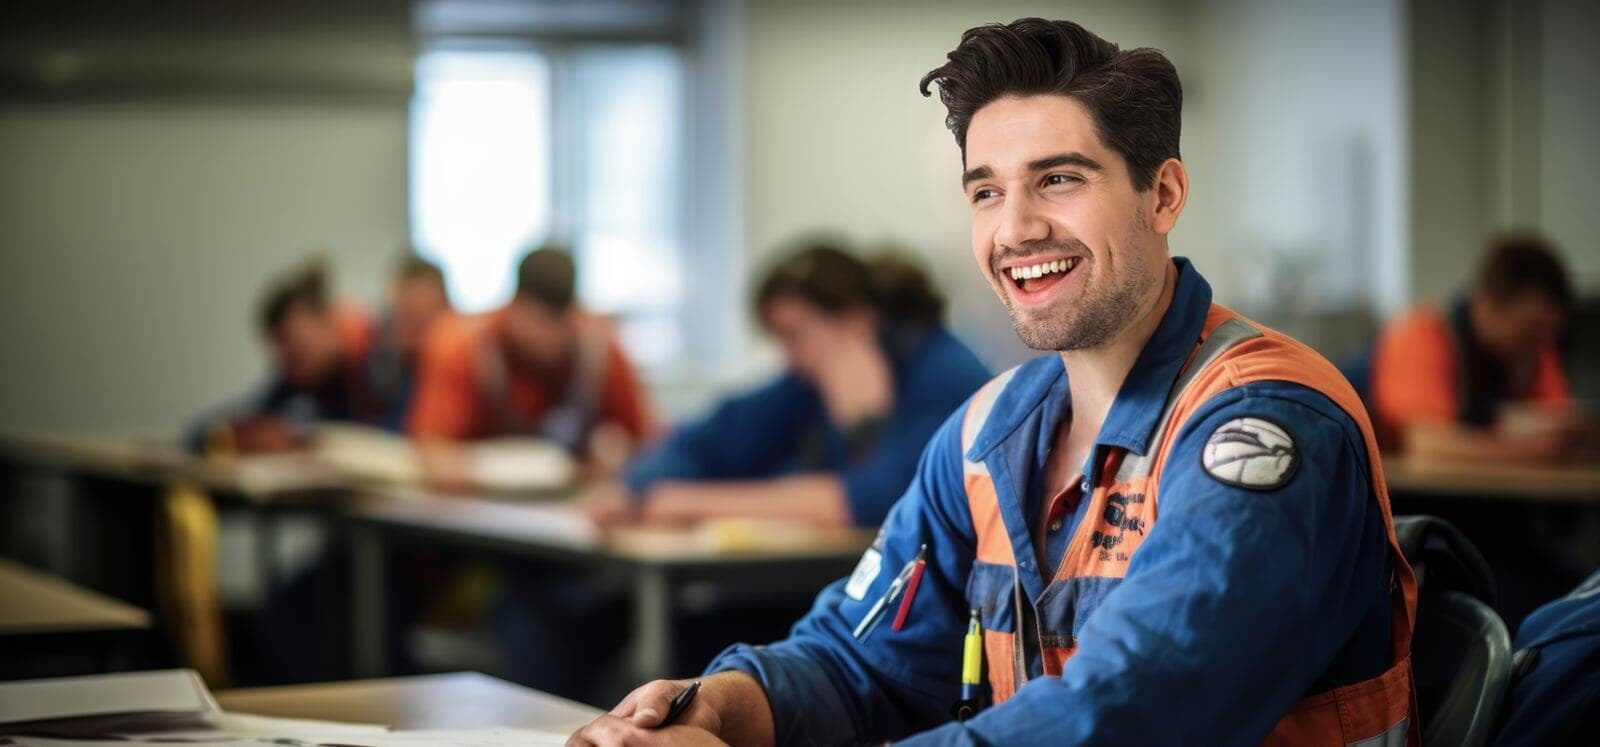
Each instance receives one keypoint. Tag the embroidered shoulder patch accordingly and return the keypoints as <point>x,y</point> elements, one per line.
<point>1251,453</point>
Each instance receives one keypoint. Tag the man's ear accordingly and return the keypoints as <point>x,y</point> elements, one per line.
<point>1168,195</point>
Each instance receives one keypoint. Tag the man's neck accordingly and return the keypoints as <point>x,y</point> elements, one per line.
<point>1095,376</point>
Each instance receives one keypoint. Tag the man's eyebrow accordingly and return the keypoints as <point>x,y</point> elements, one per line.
<point>1065,159</point>
<point>1073,158</point>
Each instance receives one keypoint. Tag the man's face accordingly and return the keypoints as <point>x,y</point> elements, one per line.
<point>1057,226</point>
<point>1517,328</point>
<point>538,336</point>
<point>809,336</point>
<point>416,302</point>
<point>306,346</point>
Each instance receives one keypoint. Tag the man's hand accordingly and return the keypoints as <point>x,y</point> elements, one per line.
<point>446,466</point>
<point>611,731</point>
<point>608,504</point>
<point>680,504</point>
<point>730,708</point>
<point>265,434</point>
<point>635,720</point>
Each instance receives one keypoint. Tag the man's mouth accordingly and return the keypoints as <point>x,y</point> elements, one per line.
<point>1038,277</point>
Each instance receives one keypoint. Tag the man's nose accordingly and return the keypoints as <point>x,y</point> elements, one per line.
<point>1020,222</point>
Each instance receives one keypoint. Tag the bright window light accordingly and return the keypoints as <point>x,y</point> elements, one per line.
<point>627,179</point>
<point>480,181</point>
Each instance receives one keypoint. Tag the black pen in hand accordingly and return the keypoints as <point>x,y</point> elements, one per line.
<point>680,703</point>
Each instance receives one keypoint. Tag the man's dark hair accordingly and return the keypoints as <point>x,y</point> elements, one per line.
<point>1134,95</point>
<point>548,276</point>
<point>305,286</point>
<point>829,277</point>
<point>413,267</point>
<point>1520,262</point>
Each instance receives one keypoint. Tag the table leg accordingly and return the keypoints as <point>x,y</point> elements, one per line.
<point>652,623</point>
<point>368,605</point>
<point>267,551</point>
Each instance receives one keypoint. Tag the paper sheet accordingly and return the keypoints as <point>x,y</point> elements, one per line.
<point>442,738</point>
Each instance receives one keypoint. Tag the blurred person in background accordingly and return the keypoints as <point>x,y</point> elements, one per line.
<point>1482,379</point>
<point>833,441</point>
<point>417,299</point>
<point>540,366</point>
<point>319,352</point>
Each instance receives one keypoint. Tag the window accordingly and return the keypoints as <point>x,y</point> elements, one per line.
<point>581,144</point>
<point>480,177</point>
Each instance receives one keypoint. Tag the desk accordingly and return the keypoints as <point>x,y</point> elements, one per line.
<point>655,564</point>
<point>41,614</point>
<point>1573,484</point>
<point>463,700</point>
<point>122,456</point>
<point>125,473</point>
<point>146,460</point>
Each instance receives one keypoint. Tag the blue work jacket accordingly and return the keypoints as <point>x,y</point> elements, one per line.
<point>1240,601</point>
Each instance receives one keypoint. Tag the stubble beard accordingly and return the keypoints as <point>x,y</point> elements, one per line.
<point>1086,321</point>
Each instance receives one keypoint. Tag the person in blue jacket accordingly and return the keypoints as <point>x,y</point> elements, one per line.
<point>1172,529</point>
<point>833,441</point>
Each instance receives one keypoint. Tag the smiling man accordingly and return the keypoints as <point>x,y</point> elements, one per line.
<point>1173,529</point>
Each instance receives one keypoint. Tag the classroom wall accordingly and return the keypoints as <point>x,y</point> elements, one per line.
<point>134,236</point>
<point>1569,120</point>
<point>1299,179</point>
<point>1504,111</point>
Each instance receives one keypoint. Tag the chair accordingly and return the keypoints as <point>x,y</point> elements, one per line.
<point>186,580</point>
<point>1461,660</point>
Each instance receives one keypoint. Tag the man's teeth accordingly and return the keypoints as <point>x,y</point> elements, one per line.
<point>1043,268</point>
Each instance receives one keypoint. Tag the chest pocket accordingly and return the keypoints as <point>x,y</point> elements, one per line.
<point>992,590</point>
<point>1066,604</point>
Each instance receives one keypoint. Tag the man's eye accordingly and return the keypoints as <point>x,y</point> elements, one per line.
<point>1056,180</point>
<point>982,194</point>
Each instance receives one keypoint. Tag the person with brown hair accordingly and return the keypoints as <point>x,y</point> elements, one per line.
<point>320,352</point>
<point>417,301</point>
<point>1170,529</point>
<point>539,366</point>
<point>1445,380</point>
<point>835,439</point>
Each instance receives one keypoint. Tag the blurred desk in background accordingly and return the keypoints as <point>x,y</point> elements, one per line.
<point>119,456</point>
<point>656,564</point>
<point>58,628</point>
<point>1552,484</point>
<point>108,525</point>
<point>114,480</point>
<point>462,700</point>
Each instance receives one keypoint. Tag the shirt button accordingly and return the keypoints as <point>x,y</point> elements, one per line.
<point>1085,486</point>
<point>1055,526</point>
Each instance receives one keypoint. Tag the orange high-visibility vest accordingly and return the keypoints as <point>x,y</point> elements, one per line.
<point>1232,352</point>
